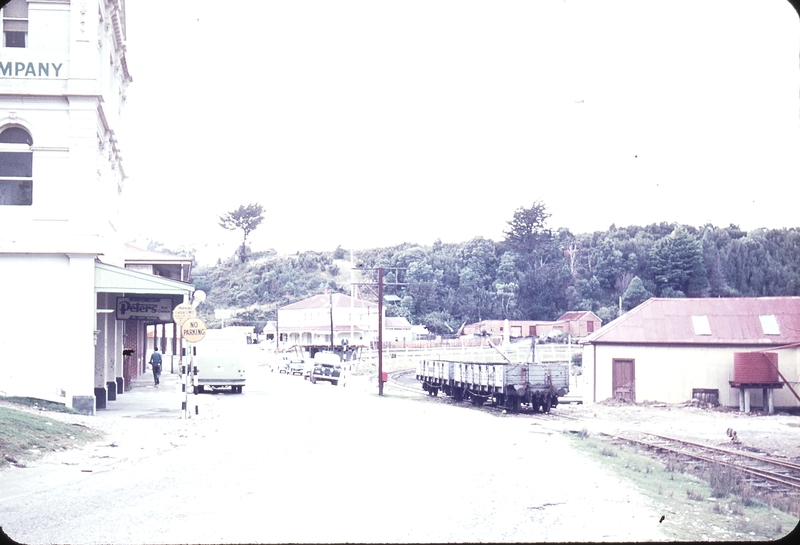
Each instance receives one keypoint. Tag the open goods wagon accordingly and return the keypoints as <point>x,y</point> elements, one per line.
<point>507,385</point>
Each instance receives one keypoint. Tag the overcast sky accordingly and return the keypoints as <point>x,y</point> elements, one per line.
<point>369,123</point>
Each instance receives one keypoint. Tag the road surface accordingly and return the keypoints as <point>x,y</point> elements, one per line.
<point>287,461</point>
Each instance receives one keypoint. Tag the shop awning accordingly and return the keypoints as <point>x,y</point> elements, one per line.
<point>111,279</point>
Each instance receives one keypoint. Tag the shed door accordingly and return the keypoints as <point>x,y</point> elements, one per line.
<point>623,379</point>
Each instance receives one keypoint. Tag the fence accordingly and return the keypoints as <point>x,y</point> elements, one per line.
<point>404,358</point>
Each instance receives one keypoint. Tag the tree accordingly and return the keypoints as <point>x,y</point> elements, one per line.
<point>635,295</point>
<point>677,264</point>
<point>527,231</point>
<point>246,218</point>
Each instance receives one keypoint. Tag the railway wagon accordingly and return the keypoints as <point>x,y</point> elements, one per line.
<point>507,385</point>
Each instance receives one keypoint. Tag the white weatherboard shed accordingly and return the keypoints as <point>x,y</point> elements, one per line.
<point>664,349</point>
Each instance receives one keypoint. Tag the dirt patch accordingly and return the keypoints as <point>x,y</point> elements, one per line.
<point>776,435</point>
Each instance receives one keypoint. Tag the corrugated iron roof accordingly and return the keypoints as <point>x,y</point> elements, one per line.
<point>134,254</point>
<point>397,322</point>
<point>573,315</point>
<point>323,300</point>
<point>732,321</point>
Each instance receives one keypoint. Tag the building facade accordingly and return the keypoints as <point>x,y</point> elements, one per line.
<point>576,323</point>
<point>665,350</point>
<point>63,79</point>
<point>309,322</point>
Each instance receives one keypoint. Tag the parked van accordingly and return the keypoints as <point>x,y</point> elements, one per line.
<point>221,359</point>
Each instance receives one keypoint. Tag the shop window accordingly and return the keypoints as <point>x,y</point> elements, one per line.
<point>16,167</point>
<point>15,24</point>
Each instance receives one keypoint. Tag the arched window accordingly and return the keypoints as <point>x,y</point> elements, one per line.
<point>16,167</point>
<point>15,24</point>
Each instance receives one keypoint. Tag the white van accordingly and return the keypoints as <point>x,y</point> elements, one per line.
<point>221,359</point>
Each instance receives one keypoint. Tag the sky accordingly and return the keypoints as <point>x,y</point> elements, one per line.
<point>368,124</point>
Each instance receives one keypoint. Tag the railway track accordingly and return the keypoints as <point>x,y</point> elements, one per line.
<point>778,475</point>
<point>394,382</point>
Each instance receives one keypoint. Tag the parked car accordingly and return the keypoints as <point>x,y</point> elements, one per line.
<point>295,366</point>
<point>280,364</point>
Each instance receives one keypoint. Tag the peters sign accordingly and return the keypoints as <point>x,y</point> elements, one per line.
<point>144,308</point>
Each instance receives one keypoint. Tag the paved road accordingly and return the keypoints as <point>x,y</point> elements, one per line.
<point>287,461</point>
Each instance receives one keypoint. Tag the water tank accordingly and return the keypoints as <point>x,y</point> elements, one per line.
<point>755,367</point>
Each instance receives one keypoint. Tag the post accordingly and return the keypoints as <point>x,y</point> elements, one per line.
<point>331,296</point>
<point>771,400</point>
<point>741,399</point>
<point>747,400</point>
<point>380,331</point>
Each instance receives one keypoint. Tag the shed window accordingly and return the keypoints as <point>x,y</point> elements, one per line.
<point>701,325</point>
<point>769,324</point>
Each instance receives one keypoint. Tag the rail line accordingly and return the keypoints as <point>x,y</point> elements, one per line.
<point>394,381</point>
<point>788,477</point>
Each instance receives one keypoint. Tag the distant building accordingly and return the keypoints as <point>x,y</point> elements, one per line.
<point>666,350</point>
<point>397,329</point>
<point>577,324</point>
<point>308,322</point>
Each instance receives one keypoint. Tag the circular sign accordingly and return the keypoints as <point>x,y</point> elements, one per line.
<point>193,330</point>
<point>183,312</point>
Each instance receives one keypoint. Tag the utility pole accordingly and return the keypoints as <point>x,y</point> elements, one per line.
<point>331,303</point>
<point>380,331</point>
<point>380,314</point>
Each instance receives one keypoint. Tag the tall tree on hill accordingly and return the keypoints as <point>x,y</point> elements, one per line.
<point>677,264</point>
<point>246,218</point>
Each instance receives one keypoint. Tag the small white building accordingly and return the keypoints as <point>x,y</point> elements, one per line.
<point>665,350</point>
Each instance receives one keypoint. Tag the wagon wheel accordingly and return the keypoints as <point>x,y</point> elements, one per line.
<point>546,404</point>
<point>514,405</point>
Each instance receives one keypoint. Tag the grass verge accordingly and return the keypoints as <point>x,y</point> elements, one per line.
<point>690,510</point>
<point>25,436</point>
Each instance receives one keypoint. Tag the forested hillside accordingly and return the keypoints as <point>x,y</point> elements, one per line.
<point>533,273</point>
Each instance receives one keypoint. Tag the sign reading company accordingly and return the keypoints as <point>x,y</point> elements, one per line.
<point>193,330</point>
<point>32,69</point>
<point>135,308</point>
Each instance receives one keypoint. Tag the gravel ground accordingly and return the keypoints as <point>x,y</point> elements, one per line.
<point>291,462</point>
<point>777,435</point>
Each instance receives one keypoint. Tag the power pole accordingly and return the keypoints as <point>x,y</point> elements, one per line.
<point>380,314</point>
<point>331,294</point>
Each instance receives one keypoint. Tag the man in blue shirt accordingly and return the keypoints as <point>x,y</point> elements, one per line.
<point>155,361</point>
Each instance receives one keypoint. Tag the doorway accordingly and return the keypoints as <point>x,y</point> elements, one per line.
<point>623,380</point>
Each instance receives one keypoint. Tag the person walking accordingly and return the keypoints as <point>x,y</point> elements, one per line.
<point>155,361</point>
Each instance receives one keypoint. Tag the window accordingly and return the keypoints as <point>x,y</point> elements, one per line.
<point>590,326</point>
<point>15,24</point>
<point>701,326</point>
<point>16,167</point>
<point>769,324</point>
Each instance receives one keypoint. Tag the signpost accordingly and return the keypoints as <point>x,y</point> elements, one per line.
<point>193,330</point>
<point>183,312</point>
